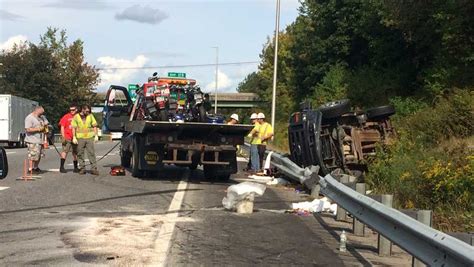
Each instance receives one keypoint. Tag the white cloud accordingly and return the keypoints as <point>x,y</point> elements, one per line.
<point>77,4</point>
<point>142,14</point>
<point>224,84</point>
<point>12,41</point>
<point>114,70</point>
<point>5,15</point>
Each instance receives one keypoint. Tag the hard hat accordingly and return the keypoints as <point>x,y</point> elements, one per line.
<point>235,117</point>
<point>261,116</point>
<point>253,116</point>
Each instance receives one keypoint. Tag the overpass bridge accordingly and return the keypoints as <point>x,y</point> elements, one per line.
<point>224,100</point>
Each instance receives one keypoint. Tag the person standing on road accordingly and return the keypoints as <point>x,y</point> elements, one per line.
<point>265,134</point>
<point>254,142</point>
<point>234,119</point>
<point>66,134</point>
<point>84,134</point>
<point>35,125</point>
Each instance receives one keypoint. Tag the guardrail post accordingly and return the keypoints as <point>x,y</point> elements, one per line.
<point>425,217</point>
<point>358,227</point>
<point>341,213</point>
<point>315,190</point>
<point>384,245</point>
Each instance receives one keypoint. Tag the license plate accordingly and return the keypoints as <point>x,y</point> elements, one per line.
<point>160,99</point>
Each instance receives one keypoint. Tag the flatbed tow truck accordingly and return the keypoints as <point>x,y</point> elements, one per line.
<point>147,145</point>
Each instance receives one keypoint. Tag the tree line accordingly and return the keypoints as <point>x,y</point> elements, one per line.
<point>409,53</point>
<point>52,72</point>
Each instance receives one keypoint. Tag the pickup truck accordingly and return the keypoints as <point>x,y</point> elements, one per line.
<point>337,138</point>
<point>147,144</point>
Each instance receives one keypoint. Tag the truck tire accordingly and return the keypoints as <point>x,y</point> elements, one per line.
<point>209,172</point>
<point>22,141</point>
<point>202,114</point>
<point>136,172</point>
<point>335,109</point>
<point>380,112</point>
<point>125,158</point>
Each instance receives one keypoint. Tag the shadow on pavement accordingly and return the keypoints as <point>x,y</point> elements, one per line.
<point>100,200</point>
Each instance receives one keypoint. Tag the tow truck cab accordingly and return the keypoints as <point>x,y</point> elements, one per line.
<point>148,145</point>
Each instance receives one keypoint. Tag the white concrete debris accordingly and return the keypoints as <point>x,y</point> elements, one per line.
<point>240,196</point>
<point>278,181</point>
<point>317,205</point>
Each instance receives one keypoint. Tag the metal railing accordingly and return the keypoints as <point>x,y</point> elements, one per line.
<point>429,245</point>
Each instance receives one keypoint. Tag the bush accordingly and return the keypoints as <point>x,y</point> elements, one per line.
<point>422,175</point>
<point>452,116</point>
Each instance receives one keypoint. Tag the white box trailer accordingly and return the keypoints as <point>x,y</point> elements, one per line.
<point>13,111</point>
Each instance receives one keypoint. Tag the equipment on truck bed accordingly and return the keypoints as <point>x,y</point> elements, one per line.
<point>188,137</point>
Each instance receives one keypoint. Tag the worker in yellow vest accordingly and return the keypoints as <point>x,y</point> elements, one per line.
<point>84,130</point>
<point>265,134</point>
<point>254,142</point>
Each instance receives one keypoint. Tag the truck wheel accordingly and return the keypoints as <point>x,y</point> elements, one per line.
<point>136,172</point>
<point>209,172</point>
<point>22,141</point>
<point>125,159</point>
<point>163,115</point>
<point>202,114</point>
<point>380,112</point>
<point>335,109</point>
<point>224,177</point>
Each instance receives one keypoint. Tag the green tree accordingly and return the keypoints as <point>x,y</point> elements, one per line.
<point>52,73</point>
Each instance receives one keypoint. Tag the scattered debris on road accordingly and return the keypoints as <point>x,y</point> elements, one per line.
<point>240,197</point>
<point>317,205</point>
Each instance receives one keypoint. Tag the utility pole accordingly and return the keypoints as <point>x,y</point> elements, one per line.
<point>217,78</point>
<point>275,62</point>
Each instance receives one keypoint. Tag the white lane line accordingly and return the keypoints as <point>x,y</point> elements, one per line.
<point>11,152</point>
<point>3,188</point>
<point>242,159</point>
<point>52,170</point>
<point>163,240</point>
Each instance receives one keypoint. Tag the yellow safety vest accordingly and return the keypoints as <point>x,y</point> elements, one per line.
<point>84,129</point>
<point>255,139</point>
<point>265,129</point>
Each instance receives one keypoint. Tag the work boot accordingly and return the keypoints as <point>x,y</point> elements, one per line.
<point>95,172</point>
<point>76,169</point>
<point>82,171</point>
<point>62,170</point>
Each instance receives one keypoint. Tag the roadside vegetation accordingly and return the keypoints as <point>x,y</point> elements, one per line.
<point>52,72</point>
<point>418,56</point>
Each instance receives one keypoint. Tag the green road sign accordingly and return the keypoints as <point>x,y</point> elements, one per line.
<point>176,75</point>
<point>131,91</point>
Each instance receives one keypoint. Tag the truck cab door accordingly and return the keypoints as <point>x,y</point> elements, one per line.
<point>116,109</point>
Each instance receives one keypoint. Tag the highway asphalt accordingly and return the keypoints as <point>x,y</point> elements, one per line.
<point>174,219</point>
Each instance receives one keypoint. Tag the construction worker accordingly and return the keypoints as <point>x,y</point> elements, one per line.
<point>254,142</point>
<point>84,134</point>
<point>35,125</point>
<point>234,119</point>
<point>265,134</point>
<point>66,134</point>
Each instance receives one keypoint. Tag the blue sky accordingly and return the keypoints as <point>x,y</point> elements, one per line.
<point>154,33</point>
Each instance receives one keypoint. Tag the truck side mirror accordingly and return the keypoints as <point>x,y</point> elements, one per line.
<point>3,163</point>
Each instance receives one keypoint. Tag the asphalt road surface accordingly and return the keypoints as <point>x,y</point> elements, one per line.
<point>174,219</point>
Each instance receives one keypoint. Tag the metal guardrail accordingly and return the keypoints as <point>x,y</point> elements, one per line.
<point>429,245</point>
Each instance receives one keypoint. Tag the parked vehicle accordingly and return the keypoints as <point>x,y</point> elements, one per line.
<point>3,163</point>
<point>335,137</point>
<point>149,143</point>
<point>13,111</point>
